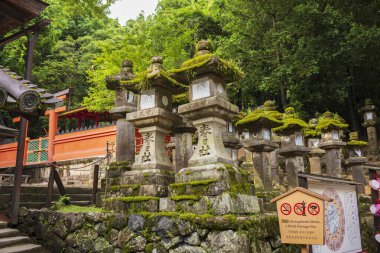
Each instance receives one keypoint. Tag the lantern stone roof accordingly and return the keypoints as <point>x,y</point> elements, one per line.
<point>7,132</point>
<point>204,62</point>
<point>265,115</point>
<point>14,13</point>
<point>19,95</point>
<point>291,122</point>
<point>355,142</point>
<point>310,131</point>
<point>154,76</point>
<point>330,121</point>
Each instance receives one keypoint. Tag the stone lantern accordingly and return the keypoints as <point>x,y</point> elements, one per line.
<point>256,130</point>
<point>356,160</point>
<point>210,172</point>
<point>313,139</point>
<point>330,128</point>
<point>292,145</point>
<point>152,169</point>
<point>232,142</point>
<point>125,102</point>
<point>370,119</point>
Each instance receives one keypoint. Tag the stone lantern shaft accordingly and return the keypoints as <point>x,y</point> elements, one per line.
<point>124,103</point>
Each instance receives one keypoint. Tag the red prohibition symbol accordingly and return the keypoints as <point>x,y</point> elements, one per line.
<point>299,208</point>
<point>286,208</point>
<point>313,208</point>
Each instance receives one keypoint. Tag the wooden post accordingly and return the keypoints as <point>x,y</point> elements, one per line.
<point>374,198</point>
<point>16,191</point>
<point>304,248</point>
<point>59,183</point>
<point>50,187</point>
<point>53,121</point>
<point>95,184</point>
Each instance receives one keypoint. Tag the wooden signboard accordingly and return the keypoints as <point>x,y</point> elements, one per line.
<point>301,216</point>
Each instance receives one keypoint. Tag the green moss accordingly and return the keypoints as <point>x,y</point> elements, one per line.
<point>330,121</point>
<point>261,114</point>
<point>133,199</point>
<point>311,132</point>
<point>80,209</point>
<point>118,187</point>
<point>185,197</point>
<point>229,69</point>
<point>194,183</point>
<point>289,123</point>
<point>239,188</point>
<point>357,143</point>
<point>143,80</point>
<point>181,98</point>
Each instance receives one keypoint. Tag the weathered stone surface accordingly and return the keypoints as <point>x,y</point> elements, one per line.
<point>275,242</point>
<point>227,242</point>
<point>136,223</point>
<point>112,236</point>
<point>101,245</point>
<point>100,228</point>
<point>70,250</point>
<point>97,217</point>
<point>259,246</point>
<point>125,235</point>
<point>81,237</point>
<point>166,227</point>
<point>225,203</point>
<point>193,239</point>
<point>166,204</point>
<point>171,243</point>
<point>202,232</point>
<point>75,221</point>
<point>136,244</point>
<point>188,249</point>
<point>119,221</point>
<point>154,248</point>
<point>184,227</point>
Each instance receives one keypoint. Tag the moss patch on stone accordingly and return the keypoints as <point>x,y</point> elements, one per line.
<point>229,69</point>
<point>185,197</point>
<point>133,199</point>
<point>80,209</point>
<point>289,123</point>
<point>120,165</point>
<point>261,114</point>
<point>357,143</point>
<point>330,121</point>
<point>133,187</point>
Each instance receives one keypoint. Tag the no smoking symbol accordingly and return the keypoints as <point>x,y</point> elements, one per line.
<point>313,208</point>
<point>286,209</point>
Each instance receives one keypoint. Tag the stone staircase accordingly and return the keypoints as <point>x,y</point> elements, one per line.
<point>34,196</point>
<point>13,241</point>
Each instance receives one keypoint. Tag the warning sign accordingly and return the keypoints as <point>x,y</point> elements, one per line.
<point>301,216</point>
<point>286,208</point>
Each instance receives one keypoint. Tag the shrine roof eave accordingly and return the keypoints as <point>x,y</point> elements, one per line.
<point>15,13</point>
<point>8,132</point>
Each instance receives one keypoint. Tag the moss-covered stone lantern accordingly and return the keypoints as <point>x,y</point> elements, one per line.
<point>125,102</point>
<point>152,169</point>
<point>292,144</point>
<point>356,160</point>
<point>211,172</point>
<point>257,138</point>
<point>369,112</point>
<point>313,139</point>
<point>330,126</point>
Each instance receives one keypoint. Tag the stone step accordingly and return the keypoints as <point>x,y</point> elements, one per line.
<point>28,197</point>
<point>16,240</point>
<point>38,205</point>
<point>7,189</point>
<point>3,224</point>
<point>24,248</point>
<point>9,232</point>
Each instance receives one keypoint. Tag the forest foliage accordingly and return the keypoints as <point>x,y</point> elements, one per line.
<point>314,55</point>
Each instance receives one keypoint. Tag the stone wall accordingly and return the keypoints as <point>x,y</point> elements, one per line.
<point>147,232</point>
